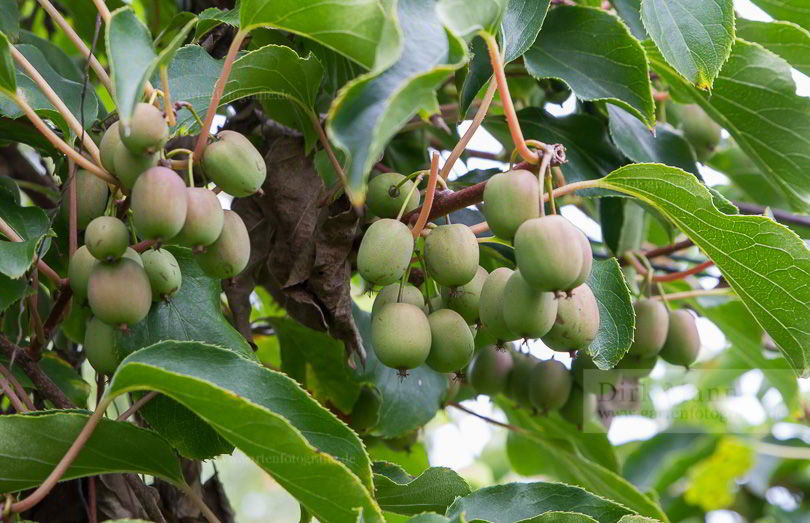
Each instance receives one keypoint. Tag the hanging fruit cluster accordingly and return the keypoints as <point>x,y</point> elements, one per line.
<point>118,284</point>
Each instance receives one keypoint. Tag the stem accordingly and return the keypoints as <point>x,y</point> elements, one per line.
<point>207,512</point>
<point>514,428</point>
<point>53,478</point>
<point>429,194</point>
<point>42,382</point>
<point>404,205</point>
<point>77,42</point>
<point>73,226</point>
<point>669,249</point>
<point>508,106</point>
<point>476,122</point>
<point>685,295</point>
<point>103,10</point>
<point>142,246</point>
<point>329,152</point>
<point>219,88</point>
<point>43,267</point>
<point>16,402</point>
<point>57,102</point>
<point>187,105</point>
<point>167,97</point>
<point>700,267</point>
<point>19,389</point>
<point>137,405</point>
<point>39,331</point>
<point>57,142</point>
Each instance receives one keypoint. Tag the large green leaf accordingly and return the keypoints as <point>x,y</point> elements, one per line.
<point>31,224</point>
<point>616,317</point>
<point>212,17</point>
<point>31,445</point>
<point>192,75</point>
<point>407,403</point>
<point>754,99</point>
<point>10,19</point>
<point>312,454</point>
<point>795,11</point>
<point>515,502</point>
<point>630,13</point>
<point>373,107</point>
<point>8,77</point>
<point>433,490</point>
<point>467,19</point>
<point>695,36</point>
<point>363,30</point>
<point>595,54</point>
<point>786,39</point>
<point>665,458</point>
<point>765,263</point>
<point>58,59</point>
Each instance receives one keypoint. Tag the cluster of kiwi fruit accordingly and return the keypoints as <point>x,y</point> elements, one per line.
<point>117,284</point>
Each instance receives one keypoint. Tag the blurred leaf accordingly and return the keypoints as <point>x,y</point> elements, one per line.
<point>434,490</point>
<point>32,444</point>
<point>712,481</point>
<point>363,30</point>
<point>11,290</point>
<point>65,377</point>
<point>213,16</point>
<point>664,458</point>
<point>745,174</point>
<point>373,107</point>
<point>630,13</point>
<point>622,223</point>
<point>31,224</point>
<point>413,460</point>
<point>466,19</point>
<point>56,57</point>
<point>754,99</point>
<point>595,54</point>
<point>786,39</point>
<point>755,254</point>
<point>694,36</point>
<point>791,10</point>
<point>616,317</point>
<point>312,454</point>
<point>10,19</point>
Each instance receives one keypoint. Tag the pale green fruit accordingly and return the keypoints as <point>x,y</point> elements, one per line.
<point>163,271</point>
<point>385,252</point>
<point>101,347</point>
<point>385,199</point>
<point>549,385</point>
<point>489,370</point>
<point>452,342</point>
<point>435,303</point>
<point>652,322</point>
<point>683,341</point>
<point>577,321</point>
<point>204,219</point>
<point>527,311</point>
<point>465,299</point>
<point>133,255</point>
<point>517,388</point>
<point>79,268</point>
<point>107,238</point>
<point>108,145</point>
<point>119,293</point>
<point>548,253</point>
<point>234,164</point>
<point>451,254</point>
<point>229,255</point>
<point>129,166</point>
<point>389,294</point>
<point>510,199</point>
<point>491,305</point>
<point>699,129</point>
<point>400,335</point>
<point>587,261</point>
<point>91,198</point>
<point>636,367</point>
<point>146,132</point>
<point>159,204</point>
<point>580,407</point>
<point>593,379</point>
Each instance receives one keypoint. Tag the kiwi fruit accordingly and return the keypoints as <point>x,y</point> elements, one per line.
<point>548,254</point>
<point>527,311</point>
<point>491,305</point>
<point>234,164</point>
<point>489,370</point>
<point>683,341</point>
<point>119,293</point>
<point>587,261</point>
<point>146,132</point>
<point>106,238</point>
<point>390,293</point>
<point>106,148</point>
<point>517,387</point>
<point>400,335</point>
<point>385,199</point>
<point>92,194</point>
<point>451,254</point>
<point>510,199</point>
<point>464,299</point>
<point>652,323</point>
<point>636,367</point>
<point>229,255</point>
<point>577,321</point>
<point>101,347</point>
<point>549,385</point>
<point>580,407</point>
<point>79,268</point>
<point>163,271</point>
<point>204,219</point>
<point>385,252</point>
<point>129,166</point>
<point>452,342</point>
<point>159,204</point>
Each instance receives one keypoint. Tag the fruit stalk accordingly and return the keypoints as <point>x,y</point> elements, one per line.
<point>686,295</point>
<point>672,276</point>
<point>73,226</point>
<point>18,388</point>
<point>462,144</point>
<point>16,402</point>
<point>316,123</point>
<point>137,405</point>
<point>424,214</point>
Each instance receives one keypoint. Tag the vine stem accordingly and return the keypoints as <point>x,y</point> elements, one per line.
<point>70,456</point>
<point>685,295</point>
<point>19,389</point>
<point>219,88</point>
<point>16,402</point>
<point>514,428</point>
<point>167,96</point>
<point>46,387</point>
<point>508,107</point>
<point>316,122</point>
<point>43,267</point>
<point>197,500</point>
<point>675,276</point>
<point>57,142</point>
<point>57,102</point>
<point>103,10</point>
<point>137,405</point>
<point>476,123</point>
<point>78,43</point>
<point>430,193</point>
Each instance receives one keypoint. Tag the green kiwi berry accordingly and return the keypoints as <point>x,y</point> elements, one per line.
<point>234,164</point>
<point>204,219</point>
<point>652,322</point>
<point>510,199</point>
<point>108,145</point>
<point>146,131</point>
<point>549,385</point>
<point>491,305</point>
<point>229,255</point>
<point>163,271</point>
<point>451,254</point>
<point>129,166</point>
<point>452,342</point>
<point>400,335</point>
<point>517,388</point>
<point>527,311</point>
<point>577,321</point>
<point>159,204</point>
<point>465,299</point>
<point>548,253</point>
<point>106,238</point>
<point>385,252</point>
<point>119,292</point>
<point>385,199</point>
<point>489,370</point>
<point>580,407</point>
<point>683,341</point>
<point>390,293</point>
<point>101,347</point>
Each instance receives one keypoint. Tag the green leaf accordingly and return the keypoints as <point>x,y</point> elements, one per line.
<point>795,11</point>
<point>745,174</point>
<point>433,490</point>
<point>665,458</point>
<point>212,17</point>
<point>192,75</point>
<point>407,403</point>
<point>786,39</point>
<point>31,445</point>
<point>630,13</point>
<point>466,19</point>
<point>616,316</point>
<point>754,99</point>
<point>11,290</point>
<point>363,30</point>
<point>499,504</point>
<point>372,108</point>
<point>765,263</point>
<point>58,59</point>
<point>327,358</point>
<point>10,19</point>
<point>695,36</point>
<point>8,76</point>
<point>60,372</point>
<point>666,146</point>
<point>595,54</point>
<point>312,454</point>
<point>31,224</point>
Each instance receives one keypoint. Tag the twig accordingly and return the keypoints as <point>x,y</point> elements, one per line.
<point>700,267</point>
<point>103,10</point>
<point>422,220</point>
<point>39,332</point>
<point>73,225</point>
<point>197,500</point>
<point>142,246</point>
<point>16,402</point>
<point>514,428</point>
<point>55,316</point>
<point>462,143</point>
<point>316,122</point>
<point>18,388</point>
<point>43,267</point>
<point>669,249</point>
<point>780,215</point>
<point>137,405</point>
<point>42,382</point>
<point>685,295</point>
<point>167,96</point>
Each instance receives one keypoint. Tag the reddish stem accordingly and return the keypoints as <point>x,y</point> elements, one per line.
<point>479,117</point>
<point>137,405</point>
<point>429,194</point>
<point>18,388</point>
<point>16,402</point>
